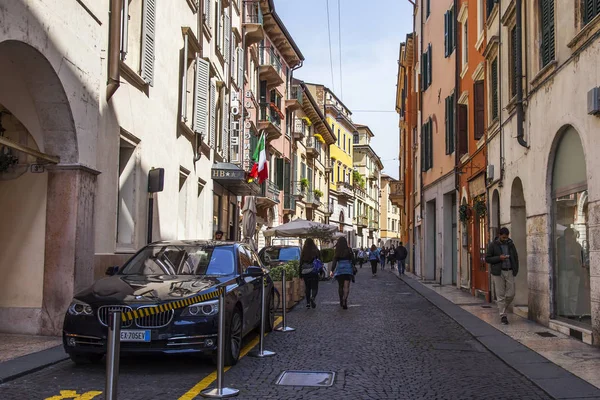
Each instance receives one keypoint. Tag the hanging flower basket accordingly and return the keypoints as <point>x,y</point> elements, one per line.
<point>480,208</point>
<point>319,138</point>
<point>464,213</point>
<point>277,110</point>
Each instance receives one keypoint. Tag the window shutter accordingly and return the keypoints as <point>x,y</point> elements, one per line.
<point>494,88</point>
<point>287,173</point>
<point>124,29</point>
<point>451,123</point>
<point>547,19</point>
<point>447,122</point>
<point>591,8</point>
<point>479,110</point>
<point>423,79</point>
<point>240,52</point>
<point>207,16</point>
<point>201,97</point>
<point>227,37</point>
<point>219,24</point>
<point>463,128</point>
<point>225,136</point>
<point>213,114</point>
<point>430,142</point>
<point>148,34</point>
<point>446,34</point>
<point>452,34</point>
<point>424,147</point>
<point>513,61</point>
<point>279,173</point>
<point>429,66</point>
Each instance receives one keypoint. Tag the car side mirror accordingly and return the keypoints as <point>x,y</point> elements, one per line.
<point>110,271</point>
<point>254,272</point>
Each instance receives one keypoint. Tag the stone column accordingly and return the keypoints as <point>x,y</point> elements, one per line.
<point>69,253</point>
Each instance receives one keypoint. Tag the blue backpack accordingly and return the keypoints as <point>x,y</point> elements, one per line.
<point>317,266</point>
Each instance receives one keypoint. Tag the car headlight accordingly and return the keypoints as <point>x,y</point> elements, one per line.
<point>204,309</point>
<point>80,308</point>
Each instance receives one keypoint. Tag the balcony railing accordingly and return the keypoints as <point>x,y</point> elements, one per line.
<point>296,94</point>
<point>270,191</point>
<point>269,57</point>
<point>311,198</point>
<point>313,147</point>
<point>373,225</point>
<point>298,129</point>
<point>289,202</point>
<point>362,221</point>
<point>345,189</point>
<point>270,120</point>
<point>254,16</point>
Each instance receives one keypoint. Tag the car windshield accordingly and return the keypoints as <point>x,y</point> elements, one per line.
<point>182,260</point>
<point>283,253</point>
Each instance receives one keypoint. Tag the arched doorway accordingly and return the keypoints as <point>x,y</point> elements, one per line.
<point>495,214</point>
<point>518,233</point>
<point>341,221</point>
<point>465,258</point>
<point>48,252</point>
<point>570,219</point>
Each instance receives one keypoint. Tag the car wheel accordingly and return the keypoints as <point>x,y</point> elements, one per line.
<point>82,359</point>
<point>233,339</point>
<point>270,322</point>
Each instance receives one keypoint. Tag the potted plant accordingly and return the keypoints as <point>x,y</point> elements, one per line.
<point>464,213</point>
<point>303,184</point>
<point>479,207</point>
<point>276,274</point>
<point>318,194</point>
<point>293,274</point>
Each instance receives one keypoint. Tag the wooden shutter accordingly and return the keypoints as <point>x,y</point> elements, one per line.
<point>451,123</point>
<point>148,35</point>
<point>494,88</point>
<point>240,78</point>
<point>213,114</point>
<point>219,25</point>
<point>463,128</point>
<point>423,79</point>
<point>513,61</point>
<point>287,173</point>
<point>207,15</point>
<point>451,34</point>
<point>547,19</point>
<point>447,122</point>
<point>423,141</point>
<point>591,8</point>
<point>124,30</point>
<point>227,37</point>
<point>429,66</point>
<point>279,173</point>
<point>446,34</point>
<point>225,135</point>
<point>201,97</point>
<point>430,142</point>
<point>479,112</point>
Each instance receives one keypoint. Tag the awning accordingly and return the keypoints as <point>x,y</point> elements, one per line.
<point>233,178</point>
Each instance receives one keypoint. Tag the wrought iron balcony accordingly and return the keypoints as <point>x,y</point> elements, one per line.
<point>295,98</point>
<point>269,120</point>
<point>373,225</point>
<point>253,25</point>
<point>298,129</point>
<point>299,192</point>
<point>270,68</point>
<point>269,195</point>
<point>289,204</point>
<point>313,147</point>
<point>312,200</point>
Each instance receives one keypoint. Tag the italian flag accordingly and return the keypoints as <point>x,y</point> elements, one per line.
<point>259,168</point>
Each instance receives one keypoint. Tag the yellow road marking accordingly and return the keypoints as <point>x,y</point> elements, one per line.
<point>72,395</point>
<point>209,379</point>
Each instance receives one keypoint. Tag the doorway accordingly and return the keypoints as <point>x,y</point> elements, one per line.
<point>518,233</point>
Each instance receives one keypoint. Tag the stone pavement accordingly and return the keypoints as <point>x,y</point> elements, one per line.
<point>14,346</point>
<point>393,343</point>
<point>573,355</point>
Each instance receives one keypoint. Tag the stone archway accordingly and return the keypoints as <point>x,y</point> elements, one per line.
<point>518,233</point>
<point>32,92</point>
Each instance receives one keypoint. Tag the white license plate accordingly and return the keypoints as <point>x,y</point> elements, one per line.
<point>135,336</point>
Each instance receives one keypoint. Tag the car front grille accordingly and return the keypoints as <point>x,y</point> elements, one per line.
<point>104,311</point>
<point>154,321</point>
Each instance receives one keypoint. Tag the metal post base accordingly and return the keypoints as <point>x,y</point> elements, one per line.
<point>263,354</point>
<point>285,329</point>
<point>217,393</point>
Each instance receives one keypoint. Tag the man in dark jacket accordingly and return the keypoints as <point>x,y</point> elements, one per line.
<point>504,262</point>
<point>401,254</point>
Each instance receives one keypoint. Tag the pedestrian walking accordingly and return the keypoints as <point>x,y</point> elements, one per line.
<point>361,257</point>
<point>504,261</point>
<point>401,254</point>
<point>310,267</point>
<point>392,257</point>
<point>374,259</point>
<point>342,266</point>
<point>382,256</point>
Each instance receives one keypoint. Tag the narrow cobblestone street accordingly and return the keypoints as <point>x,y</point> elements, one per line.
<point>390,344</point>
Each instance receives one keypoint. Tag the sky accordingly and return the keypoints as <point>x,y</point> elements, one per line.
<point>371,32</point>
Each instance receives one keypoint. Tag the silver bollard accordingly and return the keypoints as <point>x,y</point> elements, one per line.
<point>284,327</point>
<point>220,392</point>
<point>112,355</point>
<point>261,352</point>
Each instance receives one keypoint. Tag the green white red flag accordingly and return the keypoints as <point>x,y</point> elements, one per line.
<point>259,168</point>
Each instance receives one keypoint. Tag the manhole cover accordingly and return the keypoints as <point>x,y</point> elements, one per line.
<point>306,378</point>
<point>546,334</point>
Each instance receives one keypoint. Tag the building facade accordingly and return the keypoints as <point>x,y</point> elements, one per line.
<point>367,188</point>
<point>390,221</point>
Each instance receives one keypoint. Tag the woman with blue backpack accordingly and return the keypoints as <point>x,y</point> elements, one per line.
<point>310,267</point>
<point>343,267</point>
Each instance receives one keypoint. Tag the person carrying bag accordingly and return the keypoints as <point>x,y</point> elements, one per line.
<point>310,268</point>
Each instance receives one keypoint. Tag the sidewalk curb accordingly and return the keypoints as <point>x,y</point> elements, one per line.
<point>13,369</point>
<point>551,378</point>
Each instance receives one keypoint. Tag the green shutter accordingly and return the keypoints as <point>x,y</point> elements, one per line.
<point>429,66</point>
<point>446,34</point>
<point>513,61</point>
<point>447,123</point>
<point>430,133</point>
<point>591,8</point>
<point>423,144</point>
<point>279,173</point>
<point>494,89</point>
<point>479,110</point>
<point>287,174</point>
<point>452,128</point>
<point>547,20</point>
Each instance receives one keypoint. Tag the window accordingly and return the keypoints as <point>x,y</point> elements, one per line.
<point>490,6</point>
<point>426,68</point>
<point>339,137</point>
<point>513,63</point>
<point>480,11</point>
<point>547,31</point>
<point>427,146</point>
<point>463,129</point>
<point>138,26</point>
<point>207,14</point>
<point>450,136</point>
<point>356,138</point>
<point>465,44</point>
<point>449,32</point>
<point>591,8</point>
<point>494,88</point>
<point>479,110</point>
<point>428,8</point>
<point>349,146</point>
<point>279,173</point>
<point>213,115</point>
<point>126,211</point>
<point>344,144</point>
<point>339,177</point>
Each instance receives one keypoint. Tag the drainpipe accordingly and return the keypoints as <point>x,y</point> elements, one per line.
<point>422,197</point>
<point>519,73</point>
<point>455,127</point>
<point>114,44</point>
<point>500,98</point>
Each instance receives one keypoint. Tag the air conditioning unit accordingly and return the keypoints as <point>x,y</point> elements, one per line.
<point>594,101</point>
<point>490,172</point>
